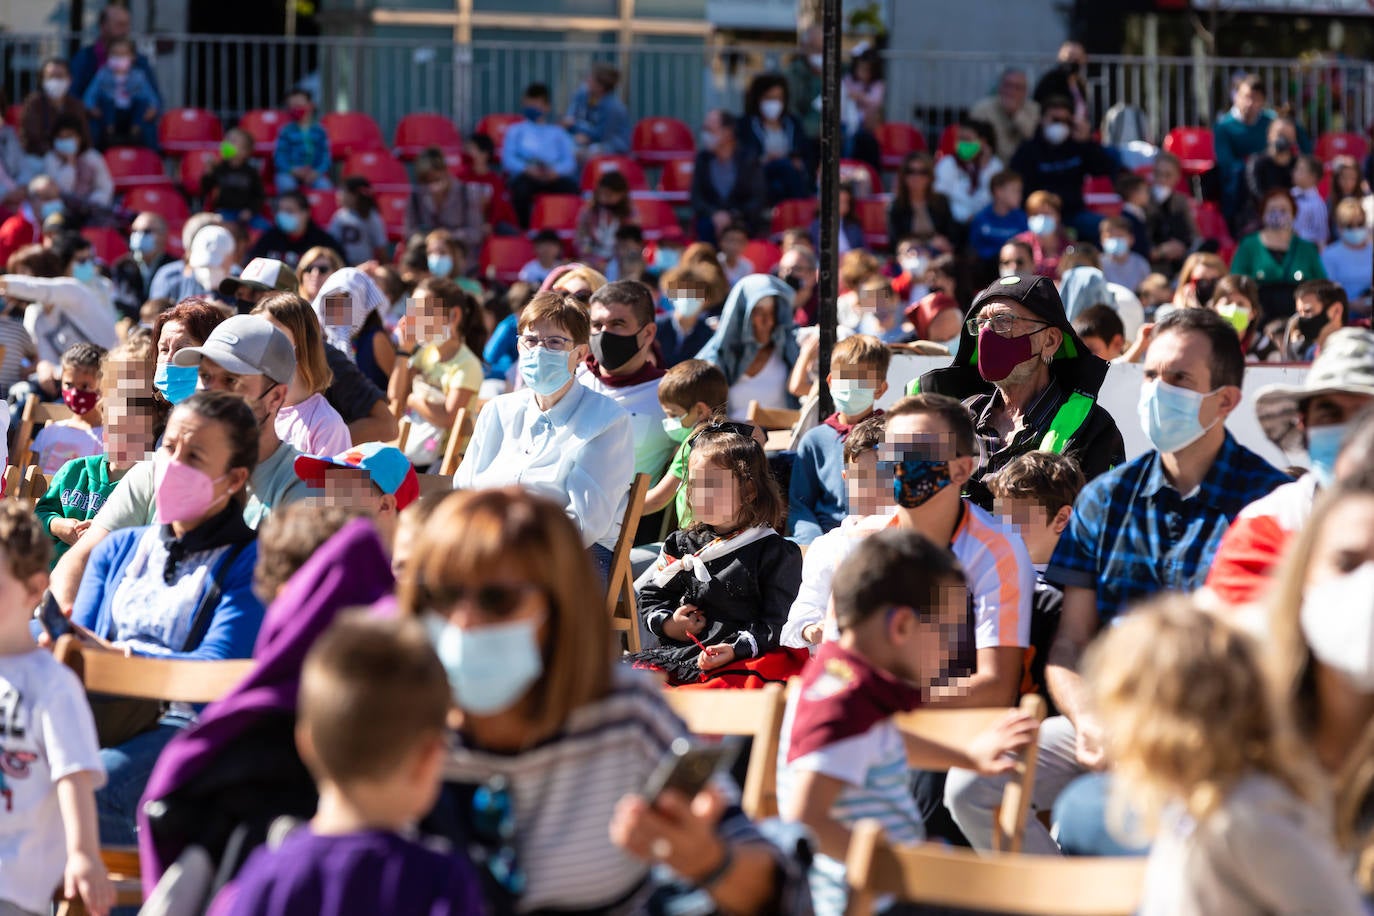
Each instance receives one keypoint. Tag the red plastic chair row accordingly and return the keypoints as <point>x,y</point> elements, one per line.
<point>184,130</point>
<point>133,166</point>
<point>502,256</point>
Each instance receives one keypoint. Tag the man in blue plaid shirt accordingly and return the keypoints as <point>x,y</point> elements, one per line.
<point>1148,526</point>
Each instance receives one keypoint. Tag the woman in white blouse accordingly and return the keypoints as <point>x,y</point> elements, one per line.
<point>966,177</point>
<point>555,437</point>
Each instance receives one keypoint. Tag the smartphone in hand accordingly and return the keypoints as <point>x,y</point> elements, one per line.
<point>688,767</point>
<point>51,619</point>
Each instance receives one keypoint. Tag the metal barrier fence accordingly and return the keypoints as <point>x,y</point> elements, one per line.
<point>389,77</point>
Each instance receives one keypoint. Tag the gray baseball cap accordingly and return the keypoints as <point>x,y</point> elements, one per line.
<point>245,345</point>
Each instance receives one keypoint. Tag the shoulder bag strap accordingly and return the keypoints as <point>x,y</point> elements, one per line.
<point>200,624</point>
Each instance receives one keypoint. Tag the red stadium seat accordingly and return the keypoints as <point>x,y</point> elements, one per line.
<point>131,166</point>
<point>351,132</point>
<point>1099,195</point>
<point>948,137</point>
<point>657,220</point>
<point>872,214</point>
<point>793,214</point>
<point>417,132</point>
<point>323,205</point>
<point>1211,224</point>
<point>661,139</point>
<point>263,125</point>
<point>182,130</point>
<point>675,181</point>
<point>600,165</point>
<point>110,244</point>
<point>1194,148</point>
<point>897,140</point>
<point>378,166</point>
<point>860,174</point>
<point>1331,145</point>
<point>502,257</point>
<point>557,212</point>
<point>392,206</point>
<point>495,126</point>
<point>12,114</point>
<point>166,201</point>
<point>763,254</point>
<point>195,166</point>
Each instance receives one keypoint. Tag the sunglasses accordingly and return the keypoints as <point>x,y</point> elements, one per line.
<point>493,600</point>
<point>582,295</point>
<point>316,269</point>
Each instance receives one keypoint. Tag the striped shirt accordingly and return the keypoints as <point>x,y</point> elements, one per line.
<point>20,352</point>
<point>564,791</point>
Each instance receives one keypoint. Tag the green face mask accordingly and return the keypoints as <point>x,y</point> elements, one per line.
<point>1236,315</point>
<point>967,149</point>
<point>228,150</point>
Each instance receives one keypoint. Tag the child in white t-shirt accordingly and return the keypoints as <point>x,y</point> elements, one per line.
<point>48,832</point>
<point>79,437</point>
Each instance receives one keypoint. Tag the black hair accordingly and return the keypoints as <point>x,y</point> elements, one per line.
<point>68,245</point>
<point>361,189</point>
<point>728,121</point>
<point>299,197</point>
<point>536,91</point>
<point>629,232</point>
<point>630,293</point>
<point>1227,362</point>
<point>893,568</point>
<point>233,413</point>
<point>546,235</point>
<point>763,83</point>
<point>483,143</point>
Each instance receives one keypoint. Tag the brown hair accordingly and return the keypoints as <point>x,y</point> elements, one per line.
<point>856,266</point>
<point>314,254</point>
<point>372,689</point>
<point>27,547</point>
<point>1044,200</point>
<point>955,415</point>
<point>1238,285</point>
<point>864,351</point>
<point>692,381</point>
<point>471,326</point>
<point>703,275</point>
<point>1052,481</point>
<point>761,502</point>
<point>560,309</point>
<point>197,314</point>
<point>864,437</point>
<point>300,319</point>
<point>473,532</point>
<point>36,261</point>
<point>289,537</point>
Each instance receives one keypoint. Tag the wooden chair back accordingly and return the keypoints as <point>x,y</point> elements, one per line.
<point>173,680</point>
<point>434,483</point>
<point>34,485</point>
<point>772,418</point>
<point>756,713</point>
<point>459,437</point>
<point>1012,884</point>
<point>36,415</point>
<point>402,433</point>
<point>620,584</point>
<point>13,481</point>
<point>956,728</point>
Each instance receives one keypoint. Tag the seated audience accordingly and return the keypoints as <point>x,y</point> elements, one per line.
<point>1239,134</point>
<point>316,266</point>
<point>1169,217</point>
<point>169,279</point>
<point>851,231</point>
<point>731,618</point>
<point>234,186</point>
<point>81,435</point>
<point>800,270</point>
<point>1312,222</point>
<point>734,238</point>
<point>1013,117</point>
<point>1101,330</point>
<point>44,106</point>
<point>132,273</point>
<point>122,100</point>
<point>357,225</point>
<point>556,437</point>
<point>1045,234</point>
<point>1120,264</point>
<point>1276,257</point>
<point>300,158</point>
<point>444,373</point>
<point>727,183</point>
<point>538,157</point>
<point>548,252</point>
<point>920,211</point>
<point>306,421</point>
<point>1349,260</point>
<point>446,257</point>
<point>80,172</point>
<point>294,232</point>
<point>523,719</point>
<point>1236,298</point>
<point>25,227</point>
<point>181,588</point>
<point>1271,168</point>
<point>1322,307</point>
<point>690,393</point>
<point>1056,161</point>
<point>440,201</point>
<point>997,223</point>
<point>596,116</point>
<point>594,242</point>
<point>754,344</point>
<point>1197,282</point>
<point>841,755</point>
<point>372,479</point>
<point>772,136</point>
<point>349,308</point>
<point>965,179</point>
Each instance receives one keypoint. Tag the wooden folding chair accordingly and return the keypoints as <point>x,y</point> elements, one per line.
<point>34,485</point>
<point>620,585</point>
<point>143,678</point>
<point>14,481</point>
<point>956,728</point>
<point>403,433</point>
<point>458,438</point>
<point>1013,884</point>
<point>434,483</point>
<point>398,387</point>
<point>756,713</point>
<point>777,422</point>
<point>36,414</point>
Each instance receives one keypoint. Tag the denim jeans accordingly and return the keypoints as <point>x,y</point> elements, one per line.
<point>1080,820</point>
<point>127,768</point>
<point>285,181</point>
<point>123,124</point>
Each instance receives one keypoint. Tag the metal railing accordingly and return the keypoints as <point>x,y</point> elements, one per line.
<point>388,78</point>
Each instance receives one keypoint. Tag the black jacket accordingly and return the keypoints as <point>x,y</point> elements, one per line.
<point>900,215</point>
<point>750,134</point>
<point>277,244</point>
<point>130,288</point>
<point>1061,169</point>
<point>745,203</point>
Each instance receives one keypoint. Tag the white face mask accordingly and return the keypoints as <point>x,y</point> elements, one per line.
<point>771,109</point>
<point>56,87</point>
<point>1161,192</point>
<point>1056,133</point>
<point>1337,621</point>
<point>914,266</point>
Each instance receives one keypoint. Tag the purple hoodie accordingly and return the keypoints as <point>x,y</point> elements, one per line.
<point>351,569</point>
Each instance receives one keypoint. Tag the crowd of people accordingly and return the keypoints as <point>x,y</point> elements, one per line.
<point>378,472</point>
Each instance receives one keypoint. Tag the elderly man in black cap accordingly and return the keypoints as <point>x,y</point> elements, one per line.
<point>1029,381</point>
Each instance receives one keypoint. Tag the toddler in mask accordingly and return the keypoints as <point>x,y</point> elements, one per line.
<point>373,708</point>
<point>718,595</point>
<point>817,501</point>
<point>80,436</point>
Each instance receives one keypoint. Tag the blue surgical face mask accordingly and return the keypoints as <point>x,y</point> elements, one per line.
<point>851,396</point>
<point>1115,246</point>
<point>544,371</point>
<point>1355,236</point>
<point>288,222</point>
<point>177,383</point>
<point>83,271</point>
<point>687,306</point>
<point>441,265</point>
<point>667,258</point>
<point>1169,415</point>
<point>142,242</point>
<point>489,668</point>
<point>532,112</point>
<point>1323,445</point>
<point>1042,224</point>
<point>50,207</point>
<point>66,146</point>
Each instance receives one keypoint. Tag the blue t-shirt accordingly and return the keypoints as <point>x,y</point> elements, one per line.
<point>988,232</point>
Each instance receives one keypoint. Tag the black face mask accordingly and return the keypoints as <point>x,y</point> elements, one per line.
<point>792,280</point>
<point>1311,326</point>
<point>1204,290</point>
<point>1071,66</point>
<point>614,350</point>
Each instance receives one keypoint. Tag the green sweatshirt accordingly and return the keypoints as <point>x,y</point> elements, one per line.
<point>78,490</point>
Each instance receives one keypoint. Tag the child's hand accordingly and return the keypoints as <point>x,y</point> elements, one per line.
<point>69,530</point>
<point>86,877</point>
<point>813,633</point>
<point>716,657</point>
<point>994,751</point>
<point>693,619</point>
<point>1089,747</point>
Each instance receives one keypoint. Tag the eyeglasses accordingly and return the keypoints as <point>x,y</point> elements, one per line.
<point>493,827</point>
<point>492,599</point>
<point>319,267</point>
<point>1002,324</point>
<point>553,344</point>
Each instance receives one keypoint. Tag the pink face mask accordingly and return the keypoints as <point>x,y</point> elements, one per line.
<point>182,493</point>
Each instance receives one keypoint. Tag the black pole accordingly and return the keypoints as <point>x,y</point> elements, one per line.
<point>76,15</point>
<point>828,288</point>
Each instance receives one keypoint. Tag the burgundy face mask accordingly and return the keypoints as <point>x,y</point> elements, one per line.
<point>999,356</point>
